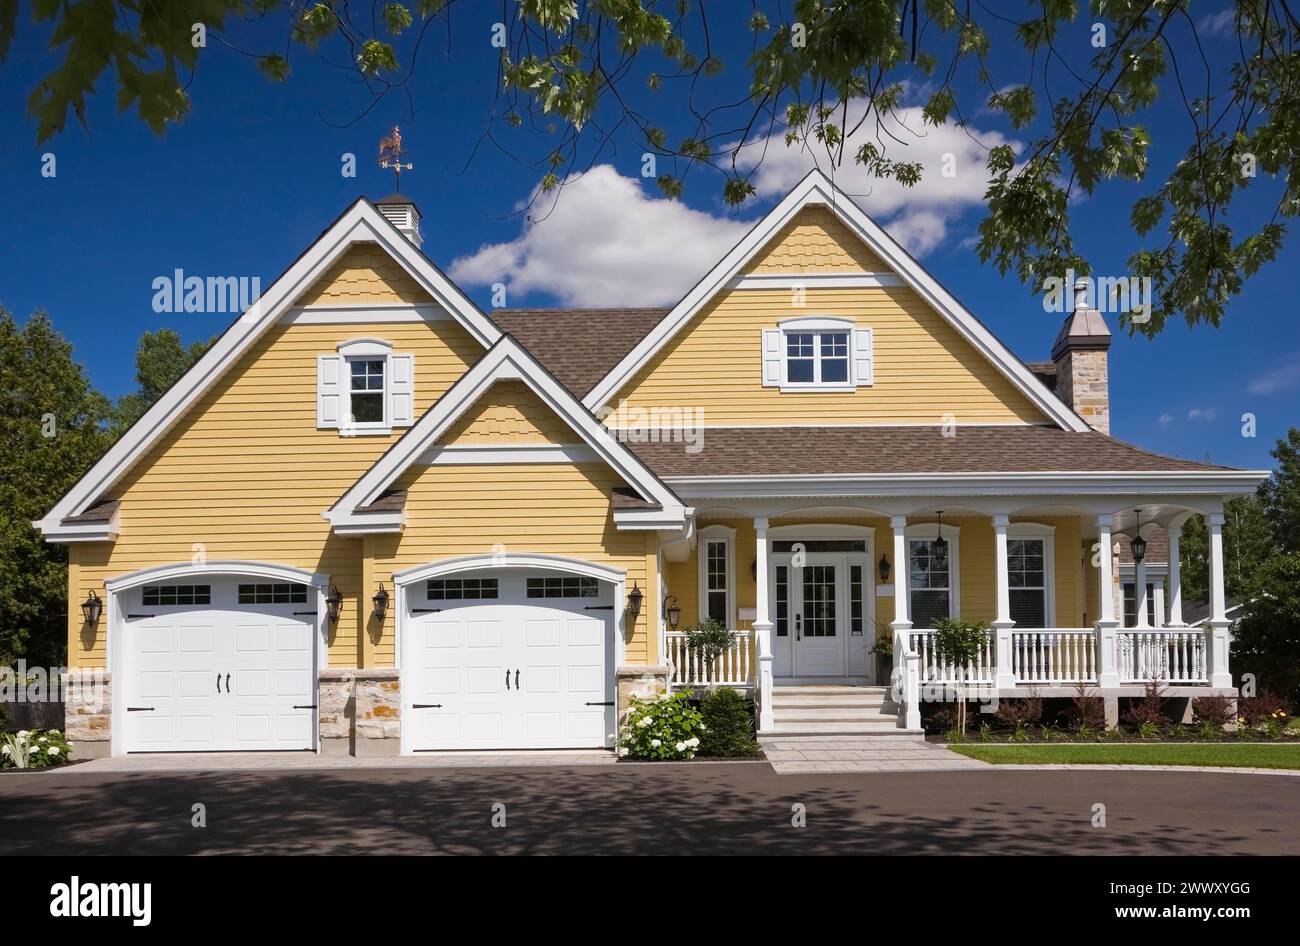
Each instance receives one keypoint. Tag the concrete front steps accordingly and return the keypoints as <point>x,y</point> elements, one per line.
<point>817,710</point>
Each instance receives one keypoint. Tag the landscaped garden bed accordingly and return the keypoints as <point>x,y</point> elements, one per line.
<point>1265,718</point>
<point>1217,755</point>
<point>33,749</point>
<point>678,726</point>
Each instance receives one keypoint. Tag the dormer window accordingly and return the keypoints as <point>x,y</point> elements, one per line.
<point>817,353</point>
<point>365,389</point>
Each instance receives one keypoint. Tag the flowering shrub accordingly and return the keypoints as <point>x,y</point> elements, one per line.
<point>661,727</point>
<point>34,749</point>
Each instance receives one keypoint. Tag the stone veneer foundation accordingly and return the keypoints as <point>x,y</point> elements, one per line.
<point>360,711</point>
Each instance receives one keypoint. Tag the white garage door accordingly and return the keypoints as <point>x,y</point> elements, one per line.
<point>225,664</point>
<point>509,659</point>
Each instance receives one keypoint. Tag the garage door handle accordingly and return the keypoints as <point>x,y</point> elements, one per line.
<point>426,706</point>
<point>599,607</point>
<point>425,610</point>
<point>516,679</point>
<point>227,683</point>
<point>610,703</point>
<point>304,706</point>
<point>218,683</point>
<point>139,709</point>
<point>131,617</point>
<point>507,678</point>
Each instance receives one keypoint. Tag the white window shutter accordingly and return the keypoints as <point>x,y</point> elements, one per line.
<point>329,390</point>
<point>863,363</point>
<point>771,357</point>
<point>401,390</point>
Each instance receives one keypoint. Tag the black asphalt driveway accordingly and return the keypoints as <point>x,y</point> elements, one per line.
<point>698,809</point>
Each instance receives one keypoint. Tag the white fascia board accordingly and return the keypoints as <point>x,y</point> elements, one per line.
<point>506,359</point>
<point>670,517</point>
<point>364,313</point>
<point>972,484</point>
<point>77,532</point>
<point>815,189</point>
<point>364,523</point>
<point>360,223</point>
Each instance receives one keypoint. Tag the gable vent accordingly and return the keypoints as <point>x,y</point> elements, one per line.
<point>402,213</point>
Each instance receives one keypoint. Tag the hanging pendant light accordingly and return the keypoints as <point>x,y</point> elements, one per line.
<point>940,544</point>
<point>1139,545</point>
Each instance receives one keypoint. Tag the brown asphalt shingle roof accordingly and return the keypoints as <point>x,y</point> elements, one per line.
<point>867,451</point>
<point>578,346</point>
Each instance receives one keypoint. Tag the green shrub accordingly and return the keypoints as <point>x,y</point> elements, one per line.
<point>710,640</point>
<point>661,727</point>
<point>34,749</point>
<point>728,725</point>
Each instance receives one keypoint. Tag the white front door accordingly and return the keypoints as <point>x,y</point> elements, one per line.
<point>218,664</point>
<point>821,614</point>
<point>509,659</point>
<point>820,610</point>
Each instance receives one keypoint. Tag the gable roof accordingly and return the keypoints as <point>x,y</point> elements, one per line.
<point>578,346</point>
<point>362,222</point>
<point>816,189</point>
<point>359,510</point>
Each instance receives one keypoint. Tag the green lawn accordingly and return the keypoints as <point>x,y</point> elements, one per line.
<point>1283,756</point>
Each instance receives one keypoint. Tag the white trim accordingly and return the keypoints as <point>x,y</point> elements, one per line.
<point>82,531</point>
<point>1056,483</point>
<point>827,530</point>
<point>527,560</point>
<point>365,348</point>
<point>816,281</point>
<point>816,323</point>
<point>506,359</point>
<point>360,223</point>
<point>1039,530</point>
<point>492,454</point>
<point>727,536</point>
<point>367,314</point>
<point>926,530</point>
<point>816,189</point>
<point>221,568</point>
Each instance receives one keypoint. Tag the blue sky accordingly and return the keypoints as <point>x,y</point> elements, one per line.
<point>252,176</point>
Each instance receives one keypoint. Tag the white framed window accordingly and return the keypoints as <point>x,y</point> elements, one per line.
<point>366,388</point>
<point>817,353</point>
<point>1031,572</point>
<point>933,581</point>
<point>717,561</point>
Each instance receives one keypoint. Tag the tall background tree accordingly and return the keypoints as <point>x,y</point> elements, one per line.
<point>846,81</point>
<point>51,429</point>
<point>159,361</point>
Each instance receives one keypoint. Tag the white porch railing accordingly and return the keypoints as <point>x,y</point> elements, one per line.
<point>934,670</point>
<point>1166,655</point>
<point>734,667</point>
<point>1054,655</point>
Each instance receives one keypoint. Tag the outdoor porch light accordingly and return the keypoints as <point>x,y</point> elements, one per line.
<point>672,612</point>
<point>884,569</point>
<point>333,602</point>
<point>1138,545</point>
<point>381,601</point>
<point>634,601</point>
<point>940,544</point>
<point>92,608</point>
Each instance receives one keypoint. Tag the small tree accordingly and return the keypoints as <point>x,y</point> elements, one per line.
<point>710,639</point>
<point>959,642</point>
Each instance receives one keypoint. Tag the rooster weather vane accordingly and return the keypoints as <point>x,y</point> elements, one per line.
<point>391,154</point>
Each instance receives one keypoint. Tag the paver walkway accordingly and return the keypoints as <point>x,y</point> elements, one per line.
<point>795,755</point>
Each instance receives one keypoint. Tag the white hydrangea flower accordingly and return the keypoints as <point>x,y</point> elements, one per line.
<point>42,739</point>
<point>623,752</point>
<point>53,750</point>
<point>24,733</point>
<point>5,750</point>
<point>656,743</point>
<point>693,742</point>
<point>681,747</point>
<point>645,721</point>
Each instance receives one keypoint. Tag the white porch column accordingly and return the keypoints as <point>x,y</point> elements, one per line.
<point>1107,664</point>
<point>1140,604</point>
<point>763,629</point>
<point>1219,623</point>
<point>1002,625</point>
<point>1175,578</point>
<point>906,664</point>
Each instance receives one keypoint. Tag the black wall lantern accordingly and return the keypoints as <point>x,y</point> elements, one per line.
<point>381,601</point>
<point>333,602</point>
<point>884,569</point>
<point>92,608</point>
<point>1139,544</point>
<point>672,612</point>
<point>634,601</point>
<point>940,545</point>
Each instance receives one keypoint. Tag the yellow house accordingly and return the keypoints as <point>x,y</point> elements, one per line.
<point>373,518</point>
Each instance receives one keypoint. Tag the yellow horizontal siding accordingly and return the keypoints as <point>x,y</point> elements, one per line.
<point>555,509</point>
<point>246,474</point>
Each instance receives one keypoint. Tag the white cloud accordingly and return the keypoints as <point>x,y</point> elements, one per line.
<point>1165,420</point>
<point>920,216</point>
<point>605,243</point>
<point>1217,24</point>
<point>1206,414</point>
<point>1282,378</point>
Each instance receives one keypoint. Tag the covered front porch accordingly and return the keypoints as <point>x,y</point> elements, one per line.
<point>813,590</point>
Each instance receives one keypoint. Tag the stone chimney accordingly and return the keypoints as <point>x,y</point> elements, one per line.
<point>1082,378</point>
<point>403,214</point>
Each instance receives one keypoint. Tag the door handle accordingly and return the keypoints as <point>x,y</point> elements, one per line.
<point>227,683</point>
<point>798,627</point>
<point>218,682</point>
<point>516,679</point>
<point>507,678</point>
